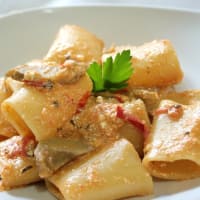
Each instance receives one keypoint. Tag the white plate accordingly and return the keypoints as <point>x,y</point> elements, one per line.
<point>28,35</point>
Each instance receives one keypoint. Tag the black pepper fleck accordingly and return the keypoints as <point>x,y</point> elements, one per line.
<point>177,106</point>
<point>72,122</point>
<point>26,169</point>
<point>87,126</point>
<point>55,103</point>
<point>59,129</point>
<point>187,133</point>
<point>48,85</point>
<point>67,57</point>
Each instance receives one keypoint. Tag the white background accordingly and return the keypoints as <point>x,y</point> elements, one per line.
<point>10,6</point>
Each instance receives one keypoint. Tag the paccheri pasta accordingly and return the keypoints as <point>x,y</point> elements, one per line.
<point>98,124</point>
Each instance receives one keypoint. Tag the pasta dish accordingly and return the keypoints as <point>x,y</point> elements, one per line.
<point>98,123</point>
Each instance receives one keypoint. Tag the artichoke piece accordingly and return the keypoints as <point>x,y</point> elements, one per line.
<point>53,153</point>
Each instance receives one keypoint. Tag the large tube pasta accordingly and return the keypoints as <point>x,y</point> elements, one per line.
<point>113,172</point>
<point>74,48</point>
<point>6,129</point>
<point>45,111</point>
<point>77,43</point>
<point>172,150</point>
<point>131,132</point>
<point>17,164</point>
<point>155,64</point>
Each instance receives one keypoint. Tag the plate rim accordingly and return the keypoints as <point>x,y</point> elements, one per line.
<point>97,6</point>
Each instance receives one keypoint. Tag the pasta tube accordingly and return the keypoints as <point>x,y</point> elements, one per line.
<point>131,132</point>
<point>45,111</point>
<point>6,129</point>
<point>172,150</point>
<point>155,64</point>
<point>17,164</point>
<point>113,172</point>
<point>74,48</point>
<point>77,43</point>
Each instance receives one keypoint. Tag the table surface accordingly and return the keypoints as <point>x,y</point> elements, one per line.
<point>12,6</point>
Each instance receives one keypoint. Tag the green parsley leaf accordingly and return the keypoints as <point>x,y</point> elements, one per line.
<point>95,73</point>
<point>111,75</point>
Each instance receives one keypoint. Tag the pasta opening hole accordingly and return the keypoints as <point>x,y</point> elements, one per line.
<point>15,120</point>
<point>53,189</point>
<point>179,169</point>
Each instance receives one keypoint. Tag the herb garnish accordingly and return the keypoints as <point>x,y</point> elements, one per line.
<point>112,75</point>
